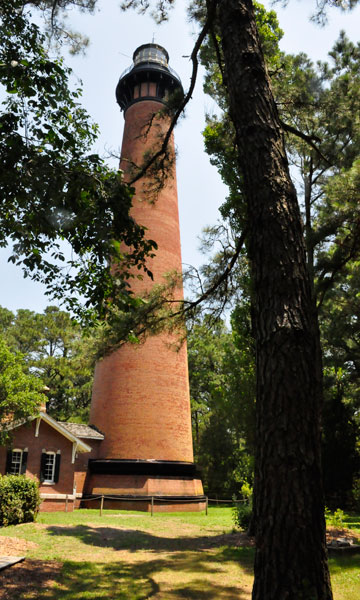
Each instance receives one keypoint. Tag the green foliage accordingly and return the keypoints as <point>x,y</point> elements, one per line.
<point>317,104</point>
<point>320,15</point>
<point>242,514</point>
<point>20,392</point>
<point>242,510</point>
<point>210,52</point>
<point>338,229</point>
<point>219,134</point>
<point>57,27</point>
<point>52,190</point>
<point>222,392</point>
<point>335,519</point>
<point>340,433</point>
<point>19,499</point>
<point>246,491</point>
<point>55,350</point>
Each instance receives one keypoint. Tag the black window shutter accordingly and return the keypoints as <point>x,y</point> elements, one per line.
<point>42,466</point>
<point>23,463</point>
<point>57,467</point>
<point>8,461</point>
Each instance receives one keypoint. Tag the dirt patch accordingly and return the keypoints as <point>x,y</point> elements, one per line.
<point>30,576</point>
<point>333,533</point>
<point>14,546</point>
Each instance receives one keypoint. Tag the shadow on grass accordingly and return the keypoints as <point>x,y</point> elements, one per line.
<point>186,577</point>
<point>338,564</point>
<point>133,539</point>
<point>29,579</point>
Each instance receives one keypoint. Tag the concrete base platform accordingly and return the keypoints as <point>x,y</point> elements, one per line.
<point>8,561</point>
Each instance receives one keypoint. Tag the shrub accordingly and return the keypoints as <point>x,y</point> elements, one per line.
<point>19,499</point>
<point>242,511</point>
<point>246,491</point>
<point>335,519</point>
<point>242,515</point>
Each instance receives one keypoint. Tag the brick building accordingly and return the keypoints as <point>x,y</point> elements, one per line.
<point>54,453</point>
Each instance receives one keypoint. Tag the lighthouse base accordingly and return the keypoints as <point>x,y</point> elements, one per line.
<point>156,486</point>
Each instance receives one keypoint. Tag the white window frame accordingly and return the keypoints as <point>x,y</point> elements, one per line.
<point>52,480</point>
<point>18,464</point>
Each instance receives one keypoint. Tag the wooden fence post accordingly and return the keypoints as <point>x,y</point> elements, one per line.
<point>66,502</point>
<point>101,505</point>
<point>206,505</point>
<point>152,506</point>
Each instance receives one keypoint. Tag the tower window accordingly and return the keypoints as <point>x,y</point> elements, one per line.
<point>152,89</point>
<point>144,89</point>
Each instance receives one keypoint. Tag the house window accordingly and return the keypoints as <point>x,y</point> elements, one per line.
<point>50,466</point>
<point>16,461</point>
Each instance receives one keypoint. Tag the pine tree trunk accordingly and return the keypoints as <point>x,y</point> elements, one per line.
<point>291,560</point>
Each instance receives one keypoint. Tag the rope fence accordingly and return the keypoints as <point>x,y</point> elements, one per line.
<point>160,499</point>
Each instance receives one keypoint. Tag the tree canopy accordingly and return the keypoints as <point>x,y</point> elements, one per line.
<point>288,491</point>
<point>266,217</point>
<point>21,393</point>
<point>52,189</point>
<point>55,350</point>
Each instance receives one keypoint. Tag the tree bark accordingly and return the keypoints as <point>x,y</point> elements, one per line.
<point>291,561</point>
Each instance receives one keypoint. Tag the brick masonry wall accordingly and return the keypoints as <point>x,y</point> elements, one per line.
<point>141,394</point>
<point>50,440</point>
<point>70,476</point>
<point>57,505</point>
<point>142,485</point>
<point>81,464</point>
<point>146,506</point>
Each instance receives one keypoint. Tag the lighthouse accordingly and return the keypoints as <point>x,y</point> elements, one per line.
<point>141,400</point>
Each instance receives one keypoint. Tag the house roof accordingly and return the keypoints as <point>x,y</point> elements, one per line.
<point>82,431</point>
<point>80,445</point>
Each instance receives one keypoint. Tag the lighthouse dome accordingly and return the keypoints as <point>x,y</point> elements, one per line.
<point>151,53</point>
<point>149,77</point>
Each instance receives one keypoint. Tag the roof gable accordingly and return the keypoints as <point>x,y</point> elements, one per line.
<point>80,445</point>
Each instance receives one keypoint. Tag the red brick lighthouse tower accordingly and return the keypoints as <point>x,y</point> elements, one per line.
<point>141,393</point>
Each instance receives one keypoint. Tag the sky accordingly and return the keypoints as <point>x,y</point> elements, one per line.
<point>114,35</point>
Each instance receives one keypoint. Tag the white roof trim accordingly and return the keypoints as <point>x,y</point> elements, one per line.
<point>81,446</point>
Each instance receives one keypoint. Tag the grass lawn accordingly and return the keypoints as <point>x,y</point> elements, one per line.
<point>133,556</point>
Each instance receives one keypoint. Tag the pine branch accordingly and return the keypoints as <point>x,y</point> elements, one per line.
<point>223,277</point>
<point>307,138</point>
<point>188,96</point>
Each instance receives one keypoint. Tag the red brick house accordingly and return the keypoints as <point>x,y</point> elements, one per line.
<point>56,454</point>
